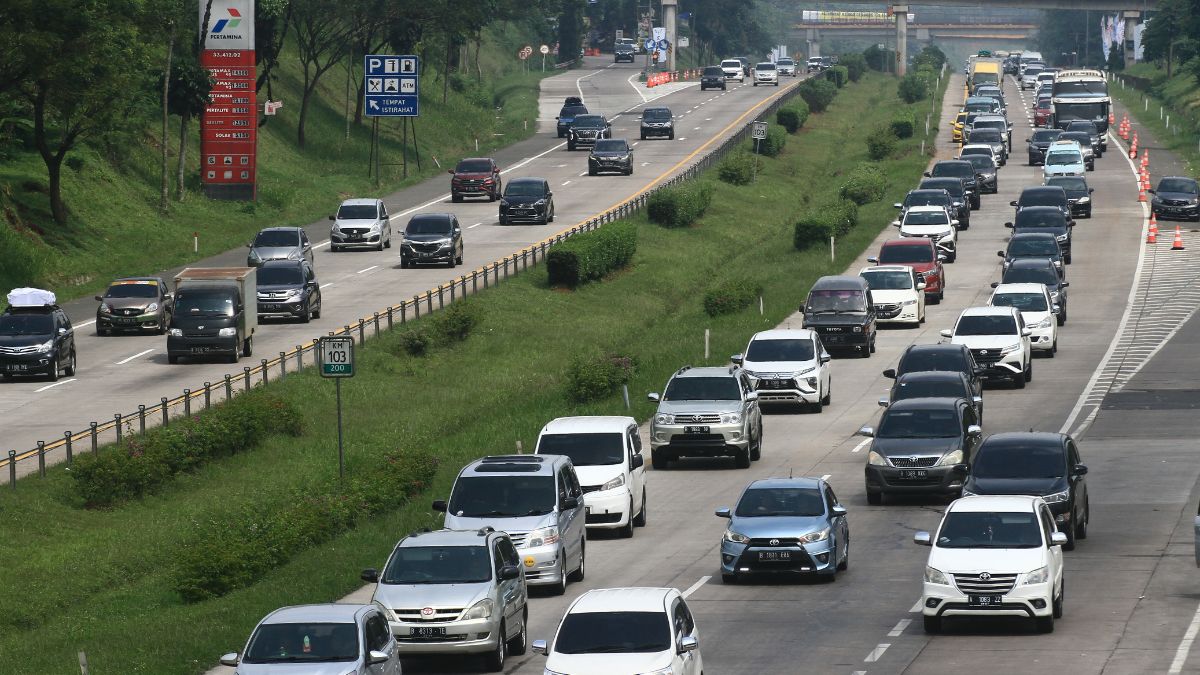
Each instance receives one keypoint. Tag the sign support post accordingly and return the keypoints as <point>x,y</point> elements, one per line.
<point>336,360</point>
<point>391,90</point>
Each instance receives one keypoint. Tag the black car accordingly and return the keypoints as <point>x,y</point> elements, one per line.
<point>566,116</point>
<point>528,200</point>
<point>1040,271</point>
<point>986,169</point>
<point>1043,464</point>
<point>288,289</point>
<point>1085,144</point>
<point>841,311</point>
<point>1176,197</point>
<point>957,168</point>
<point>623,51</point>
<point>36,340</point>
<point>1079,195</point>
<point>957,187</point>
<point>921,447</point>
<point>586,130</point>
<point>134,304</point>
<point>1048,219</point>
<point>434,238</point>
<point>611,154</point>
<point>1039,245</point>
<point>712,77</point>
<point>938,357</point>
<point>1043,195</point>
<point>1039,142</point>
<point>1097,139</point>
<point>936,384</point>
<point>658,122</point>
<point>938,197</point>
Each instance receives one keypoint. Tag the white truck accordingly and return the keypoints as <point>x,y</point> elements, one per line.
<point>216,313</point>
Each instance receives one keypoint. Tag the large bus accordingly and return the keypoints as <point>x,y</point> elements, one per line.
<point>984,71</point>
<point>1080,95</point>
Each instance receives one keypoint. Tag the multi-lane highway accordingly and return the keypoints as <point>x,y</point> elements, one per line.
<point>118,373</point>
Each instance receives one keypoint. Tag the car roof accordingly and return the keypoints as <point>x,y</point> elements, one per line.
<point>908,241</point>
<point>994,117</point>
<point>445,537</point>
<point>361,201</point>
<point>800,482</point>
<point>938,347</point>
<point>704,371</point>
<point>1042,189</point>
<point>843,282</point>
<point>887,268</point>
<point>925,403</point>
<point>280,229</point>
<point>282,263</point>
<point>431,216</point>
<point>1023,287</point>
<point>927,208</point>
<point>527,179</point>
<point>987,310</point>
<point>783,334</point>
<point>951,162</point>
<point>584,424</point>
<point>622,600</point>
<point>976,146</point>
<point>114,281</point>
<point>931,181</point>
<point>1030,262</point>
<point>937,190</point>
<point>516,465</point>
<point>1016,438</point>
<point>657,108</point>
<point>332,612</point>
<point>1032,235</point>
<point>931,375</point>
<point>993,504</point>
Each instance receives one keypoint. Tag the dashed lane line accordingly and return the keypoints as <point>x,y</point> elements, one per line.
<point>128,359</point>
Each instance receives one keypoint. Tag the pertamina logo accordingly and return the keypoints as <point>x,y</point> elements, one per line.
<point>218,29</point>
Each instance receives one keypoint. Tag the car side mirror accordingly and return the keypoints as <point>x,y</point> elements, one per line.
<point>954,223</point>
<point>867,431</point>
<point>723,512</point>
<point>230,659</point>
<point>653,397</point>
<point>873,260</point>
<point>752,396</point>
<point>538,647</point>
<point>1009,225</point>
<point>895,223</point>
<point>899,206</point>
<point>994,284</point>
<point>1079,470</point>
<point>1056,308</point>
<point>1058,538</point>
<point>890,373</point>
<point>1026,332</point>
<point>439,505</point>
<point>1029,140</point>
<point>837,510</point>
<point>687,643</point>
<point>946,333</point>
<point>1013,203</point>
<point>1064,284</point>
<point>1091,190</point>
<point>738,359</point>
<point>1152,191</point>
<point>1000,253</point>
<point>927,174</point>
<point>509,572</point>
<point>450,171</point>
<point>942,257</point>
<point>825,357</point>
<point>333,217</point>
<point>961,469</point>
<point>375,656</point>
<point>921,285</point>
<point>922,539</point>
<point>569,503</point>
<point>974,430</point>
<point>883,403</point>
<point>636,461</point>
<point>370,575</point>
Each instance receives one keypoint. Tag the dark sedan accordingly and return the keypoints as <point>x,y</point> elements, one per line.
<point>611,155</point>
<point>986,169</point>
<point>1044,195</point>
<point>1032,245</point>
<point>1079,195</point>
<point>937,384</point>
<point>922,447</point>
<point>527,200</point>
<point>1176,197</point>
<point>957,188</point>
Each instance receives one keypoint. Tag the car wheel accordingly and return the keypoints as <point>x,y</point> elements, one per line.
<point>381,246</point>
<point>518,645</point>
<point>756,449</point>
<point>1060,601</point>
<point>591,171</point>
<point>459,258</point>
<point>658,460</point>
<point>237,353</point>
<point>756,84</point>
<point>626,530</point>
<point>742,459</point>
<point>933,624</point>
<point>570,146</point>
<point>551,218</point>
<point>578,574</point>
<point>1062,318</point>
<point>640,520</point>
<point>53,371</point>
<point>728,578</point>
<point>69,371</point>
<point>845,564</point>
<point>1029,371</point>
<point>873,344</point>
<point>317,312</point>
<point>172,358</point>
<point>503,220</point>
<point>162,327</point>
<point>493,662</point>
<point>874,498</point>
<point>643,136</point>
<point>561,586</point>
<point>1045,624</point>
<point>1018,380</point>
<point>334,248</point>
<point>828,395</point>
<point>1081,528</point>
<point>248,347</point>
<point>307,316</point>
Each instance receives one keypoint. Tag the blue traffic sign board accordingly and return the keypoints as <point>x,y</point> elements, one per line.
<point>390,85</point>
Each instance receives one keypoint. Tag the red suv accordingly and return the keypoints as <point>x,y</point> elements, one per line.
<point>1041,112</point>
<point>920,254</point>
<point>475,177</point>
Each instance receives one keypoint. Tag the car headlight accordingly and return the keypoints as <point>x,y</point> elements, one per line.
<point>445,243</point>
<point>858,329</point>
<point>1010,349</point>
<point>1060,237</point>
<point>812,382</point>
<point>1085,200</point>
<point>907,303</point>
<point>951,458</point>
<point>814,537</point>
<point>153,307</point>
<point>731,418</point>
<point>294,255</point>
<point>1053,295</point>
<point>736,537</point>
<point>876,459</point>
<point>1044,323</point>
<point>45,346</point>
<point>614,483</point>
<point>946,236</point>
<point>1057,497</point>
<point>337,228</point>
<point>1038,576</point>
<point>174,332</point>
<point>504,203</point>
<point>805,371</point>
<point>293,293</point>
<point>543,537</point>
<point>480,610</point>
<point>540,202</point>
<point>663,418</point>
<point>377,227</point>
<point>935,576</point>
<point>254,255</point>
<point>227,332</point>
<point>106,308</point>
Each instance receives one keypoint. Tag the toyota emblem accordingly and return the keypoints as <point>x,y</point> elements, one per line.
<point>984,576</point>
<point>983,352</point>
<point>427,612</point>
<point>913,459</point>
<point>774,542</point>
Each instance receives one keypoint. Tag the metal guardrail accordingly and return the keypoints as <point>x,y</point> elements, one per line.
<point>127,424</point>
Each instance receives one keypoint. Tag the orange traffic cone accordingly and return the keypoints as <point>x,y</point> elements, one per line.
<point>1152,236</point>
<point>1145,158</point>
<point>1177,245</point>
<point>1133,148</point>
<point>1111,118</point>
<point>1141,193</point>
<point>1154,222</point>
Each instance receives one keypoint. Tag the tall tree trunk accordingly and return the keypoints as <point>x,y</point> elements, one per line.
<point>358,103</point>
<point>305,95</point>
<point>52,159</point>
<point>179,185</point>
<point>446,79</point>
<point>478,67</point>
<point>166,118</point>
<point>1170,54</point>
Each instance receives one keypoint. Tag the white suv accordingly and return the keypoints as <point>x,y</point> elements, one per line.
<point>994,556</point>
<point>607,455</point>
<point>788,366</point>
<point>1037,310</point>
<point>765,73</point>
<point>898,293</point>
<point>931,222</point>
<point>733,70</point>
<point>999,341</point>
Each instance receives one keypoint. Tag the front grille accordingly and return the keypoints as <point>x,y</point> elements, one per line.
<point>999,583</point>
<point>467,182</point>
<point>130,312</point>
<point>273,296</point>
<point>697,439</point>
<point>775,384</point>
<point>18,350</point>
<point>779,541</point>
<point>698,418</point>
<point>422,247</point>
<point>913,462</point>
<point>450,637</point>
<point>986,357</point>
<point>518,538</point>
<point>355,231</point>
<point>887,307</point>
<point>602,518</point>
<point>440,615</point>
<point>197,334</point>
<point>1175,202</point>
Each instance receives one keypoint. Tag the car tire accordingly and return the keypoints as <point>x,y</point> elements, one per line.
<point>626,530</point>
<point>381,246</point>
<point>248,347</point>
<point>503,220</point>
<point>560,587</point>
<point>742,459</point>
<point>162,327</point>
<point>828,398</point>
<point>1060,601</point>
<point>933,624</point>
<point>756,84</point>
<point>1029,371</point>
<point>493,661</point>
<point>317,312</point>
<point>172,359</point>
<point>756,448</point>
<point>570,146</point>
<point>69,371</point>
<point>629,171</point>
<point>459,258</point>
<point>455,197</point>
<point>591,171</point>
<point>307,316</point>
<point>1045,624</point>
<point>237,353</point>
<point>1081,529</point>
<point>520,644</point>
<point>334,248</point>
<point>874,498</point>
<point>658,460</point>
<point>579,573</point>
<point>640,519</point>
<point>1062,318</point>
<point>728,578</point>
<point>551,218</point>
<point>845,563</point>
<point>643,136</point>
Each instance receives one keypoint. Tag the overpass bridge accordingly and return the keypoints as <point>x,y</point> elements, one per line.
<point>1004,35</point>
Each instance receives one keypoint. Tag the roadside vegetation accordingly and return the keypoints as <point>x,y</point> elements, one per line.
<point>1178,96</point>
<point>154,583</point>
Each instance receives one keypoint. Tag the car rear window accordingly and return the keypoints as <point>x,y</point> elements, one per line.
<point>902,254</point>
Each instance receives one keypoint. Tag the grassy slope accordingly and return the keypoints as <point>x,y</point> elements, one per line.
<point>1180,98</point>
<point>116,228</point>
<point>111,568</point>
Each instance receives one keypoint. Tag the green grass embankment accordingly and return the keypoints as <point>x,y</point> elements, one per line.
<point>1178,97</point>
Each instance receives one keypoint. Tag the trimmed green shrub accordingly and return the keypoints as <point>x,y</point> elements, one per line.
<point>904,124</point>
<point>856,65</point>
<point>818,93</point>
<point>843,214</point>
<point>865,184</point>
<point>772,145</point>
<point>731,295</point>
<point>881,143</point>
<point>815,226</point>
<point>140,465</point>
<point>415,341</point>
<point>590,378</point>
<point>737,168</point>
<point>792,116</point>
<point>879,59</point>
<point>913,87</point>
<point>591,255</point>
<point>680,205</point>
<point>454,323</point>
<point>235,551</point>
<point>838,75</point>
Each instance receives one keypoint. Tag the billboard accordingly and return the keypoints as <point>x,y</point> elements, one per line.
<point>229,125</point>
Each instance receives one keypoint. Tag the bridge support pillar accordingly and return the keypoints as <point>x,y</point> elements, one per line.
<point>901,14</point>
<point>813,44</point>
<point>1131,17</point>
<point>670,10</point>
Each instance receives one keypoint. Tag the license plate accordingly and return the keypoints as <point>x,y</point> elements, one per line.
<point>354,238</point>
<point>984,600</point>
<point>774,556</point>
<point>913,474</point>
<point>271,308</point>
<point>200,350</point>
<point>695,430</point>
<point>428,631</point>
<point>17,367</point>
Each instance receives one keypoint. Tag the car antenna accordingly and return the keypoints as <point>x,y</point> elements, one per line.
<point>789,472</point>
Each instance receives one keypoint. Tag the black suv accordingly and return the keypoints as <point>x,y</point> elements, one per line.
<point>937,384</point>
<point>1097,140</point>
<point>938,357</point>
<point>1048,219</point>
<point>658,122</point>
<point>1040,271</point>
<point>1079,195</point>
<point>36,341</point>
<point>1039,142</point>
<point>957,187</point>
<point>1039,245</point>
<point>432,238</point>
<point>623,51</point>
<point>1035,463</point>
<point>957,168</point>
<point>841,311</point>
<point>566,117</point>
<point>288,289</point>
<point>611,154</point>
<point>938,197</point>
<point>922,446</point>
<point>527,199</point>
<point>586,130</point>
<point>712,77</point>
<point>1043,195</point>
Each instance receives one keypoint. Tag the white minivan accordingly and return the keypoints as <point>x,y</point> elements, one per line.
<point>1037,310</point>
<point>607,455</point>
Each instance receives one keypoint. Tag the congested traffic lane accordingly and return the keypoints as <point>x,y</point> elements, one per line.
<point>118,373</point>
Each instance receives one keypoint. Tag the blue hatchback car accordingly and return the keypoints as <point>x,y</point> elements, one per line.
<point>785,526</point>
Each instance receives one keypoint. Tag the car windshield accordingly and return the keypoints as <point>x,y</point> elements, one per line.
<point>1024,302</point>
<point>990,530</point>
<point>731,64</point>
<point>780,501</point>
<point>572,110</point>
<point>589,122</point>
<point>980,106</point>
<point>201,303</point>
<point>985,135</point>
<point>1032,275</point>
<point>1032,247</point>
<point>280,276</point>
<point>593,449</point>
<point>1043,103</point>
<point>438,565</point>
<point>955,169</point>
<point>953,186</point>
<point>934,423</point>
<point>891,280</point>
<point>765,66</point>
<point>713,71</point>
<point>930,389</point>
<point>703,389</point>
<point>1046,135</point>
<point>616,145</point>
<point>1019,461</point>
<point>136,289</point>
<point>1031,72</point>
<point>785,62</point>
<point>474,166</point>
<point>502,496</point>
<point>917,361</point>
<point>277,238</point>
<point>1040,218</point>
<point>1084,127</point>
<point>926,218</point>
<point>848,300</point>
<point>1178,185</point>
<point>357,212</point>
<point>26,324</point>
<point>1083,138</point>
<point>906,254</point>
<point>986,325</point>
<point>613,633</point>
<point>428,225</point>
<point>524,189</point>
<point>981,162</point>
<point>800,349</point>
<point>656,114</point>
<point>1041,198</point>
<point>1068,182</point>
<point>1080,111</point>
<point>302,643</point>
<point>926,199</point>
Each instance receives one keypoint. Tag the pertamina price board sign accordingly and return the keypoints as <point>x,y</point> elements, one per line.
<point>336,356</point>
<point>228,134</point>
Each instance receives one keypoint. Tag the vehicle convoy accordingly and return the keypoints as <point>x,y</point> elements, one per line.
<point>788,365</point>
<point>611,155</point>
<point>994,556</point>
<point>288,289</point>
<point>840,310</point>
<point>1048,219</point>
<point>922,255</point>
<point>984,72</point>
<point>898,293</point>
<point>216,313</point>
<point>623,51</point>
<point>786,66</point>
<point>134,304</point>
<point>607,455</point>
<point>938,357</point>
<point>566,116</point>
<point>475,177</point>
<point>999,341</point>
<point>1081,95</point>
<point>361,223</point>
<point>921,447</point>
<point>938,197</point>
<point>785,526</point>
<point>454,592</point>
<point>998,123</point>
<point>537,500</point>
<point>1039,143</point>
<point>279,243</point>
<point>432,238</point>
<point>36,336</point>
<point>1096,138</point>
<point>706,412</point>
<point>344,638</point>
<point>1048,195</point>
<point>933,223</point>
<point>957,168</point>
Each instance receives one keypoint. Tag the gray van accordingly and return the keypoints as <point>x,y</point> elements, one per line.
<point>537,500</point>
<point>841,310</point>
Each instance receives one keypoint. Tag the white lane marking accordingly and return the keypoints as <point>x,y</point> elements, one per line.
<point>877,653</point>
<point>560,166</point>
<point>895,632</point>
<point>583,173</point>
<point>85,323</point>
<point>327,285</point>
<point>471,227</point>
<point>707,119</point>
<point>645,163</point>
<point>826,476</point>
<point>579,79</point>
<point>915,608</point>
<point>859,672</point>
<point>634,143</point>
<point>862,444</point>
<point>696,586</point>
<point>696,129</point>
<point>683,138</point>
<point>367,269</point>
<point>51,386</point>
<point>1185,645</point>
<point>127,360</point>
<point>566,183</point>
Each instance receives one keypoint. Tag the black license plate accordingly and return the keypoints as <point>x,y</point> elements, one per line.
<point>428,631</point>
<point>984,600</point>
<point>774,556</point>
<point>17,367</point>
<point>201,350</point>
<point>695,430</point>
<point>270,308</point>
<point>353,238</point>
<point>913,474</point>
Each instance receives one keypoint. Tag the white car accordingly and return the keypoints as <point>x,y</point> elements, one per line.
<point>788,366</point>
<point>1064,158</point>
<point>766,73</point>
<point>932,222</point>
<point>1029,76</point>
<point>607,455</point>
<point>733,70</point>
<point>994,556</point>
<point>979,149</point>
<point>361,223</point>
<point>999,341</point>
<point>898,293</point>
<point>1037,311</point>
<point>625,630</point>
<point>786,66</point>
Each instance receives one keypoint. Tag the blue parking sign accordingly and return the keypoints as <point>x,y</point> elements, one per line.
<point>390,86</point>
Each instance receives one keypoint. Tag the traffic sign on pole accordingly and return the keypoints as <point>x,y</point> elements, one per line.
<point>390,89</point>
<point>759,130</point>
<point>336,356</point>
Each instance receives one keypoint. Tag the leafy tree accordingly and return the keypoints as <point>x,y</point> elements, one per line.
<point>320,37</point>
<point>1116,58</point>
<point>1168,27</point>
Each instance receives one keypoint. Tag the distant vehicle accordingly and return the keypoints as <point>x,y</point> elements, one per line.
<point>216,313</point>
<point>1084,140</point>
<point>343,637</point>
<point>815,64</point>
<point>957,188</point>
<point>361,223</point>
<point>1064,158</point>
<point>476,177</point>
<point>566,116</point>
<point>432,239</point>
<point>1048,219</point>
<point>1079,195</point>
<point>1039,271</point>
<point>939,197</point>
<point>766,73</point>
<point>279,243</point>
<point>960,119</point>
<point>747,66</point>
<point>1039,143</point>
<point>659,121</point>
<point>288,289</point>
<point>1037,311</point>
<point>36,336</point>
<point>1029,76</point>
<point>985,166</point>
<point>841,311</point>
<point>1096,137</point>
<point>786,66</point>
<point>1082,95</point>
<point>933,223</point>
<point>939,358</point>
<point>1042,111</point>
<point>998,123</point>
<point>1032,245</point>
<point>623,52</point>
<point>953,168</point>
<point>1176,197</point>
<point>586,130</point>
<point>134,304</point>
<point>527,200</point>
<point>788,365</point>
<point>921,254</point>
<point>733,70</point>
<point>713,77</point>
<point>992,138</point>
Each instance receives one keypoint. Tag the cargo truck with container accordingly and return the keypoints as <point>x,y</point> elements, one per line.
<point>216,314</point>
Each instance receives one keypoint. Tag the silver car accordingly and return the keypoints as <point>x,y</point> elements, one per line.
<point>706,412</point>
<point>338,639</point>
<point>279,243</point>
<point>361,223</point>
<point>455,592</point>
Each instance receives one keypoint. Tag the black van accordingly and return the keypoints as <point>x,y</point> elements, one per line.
<point>841,311</point>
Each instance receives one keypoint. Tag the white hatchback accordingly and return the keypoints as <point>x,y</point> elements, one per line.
<point>1037,310</point>
<point>898,293</point>
<point>788,366</point>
